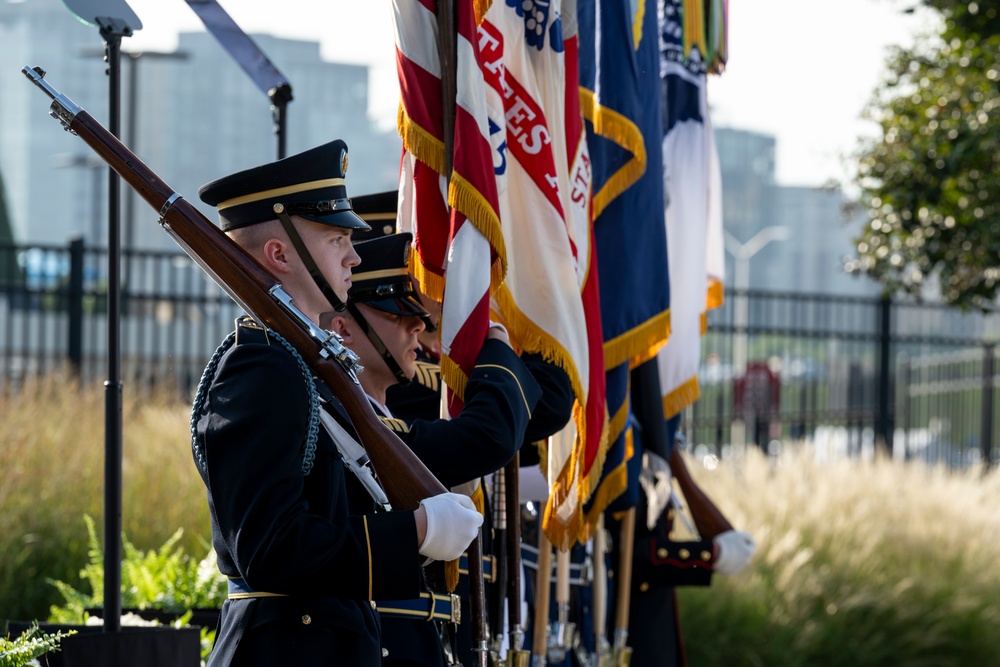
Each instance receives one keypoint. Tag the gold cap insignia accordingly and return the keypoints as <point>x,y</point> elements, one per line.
<point>343,163</point>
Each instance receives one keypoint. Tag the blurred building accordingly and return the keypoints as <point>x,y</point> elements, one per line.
<point>819,231</point>
<point>194,115</point>
<point>197,116</point>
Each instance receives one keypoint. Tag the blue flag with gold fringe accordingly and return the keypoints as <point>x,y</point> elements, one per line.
<point>621,104</point>
<point>619,80</point>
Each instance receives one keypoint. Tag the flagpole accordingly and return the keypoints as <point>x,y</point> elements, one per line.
<point>543,579</point>
<point>447,38</point>
<point>449,78</point>
<point>602,648</point>
<point>516,656</point>
<point>623,580</point>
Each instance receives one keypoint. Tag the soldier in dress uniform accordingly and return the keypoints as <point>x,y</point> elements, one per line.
<point>304,563</point>
<point>660,563</point>
<point>381,325</point>
<point>420,399</point>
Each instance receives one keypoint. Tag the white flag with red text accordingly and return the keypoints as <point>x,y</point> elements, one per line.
<point>543,176</point>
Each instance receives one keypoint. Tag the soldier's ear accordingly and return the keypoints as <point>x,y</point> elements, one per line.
<point>340,326</point>
<point>276,257</point>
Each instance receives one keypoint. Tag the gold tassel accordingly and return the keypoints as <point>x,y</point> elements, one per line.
<point>451,575</point>
<point>451,567</point>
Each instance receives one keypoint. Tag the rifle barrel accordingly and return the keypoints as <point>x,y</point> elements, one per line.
<point>405,478</point>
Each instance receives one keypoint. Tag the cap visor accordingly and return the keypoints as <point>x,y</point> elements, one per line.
<point>345,219</point>
<point>403,306</point>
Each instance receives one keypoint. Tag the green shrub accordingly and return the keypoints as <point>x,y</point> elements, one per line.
<point>29,645</point>
<point>165,579</point>
<point>52,473</point>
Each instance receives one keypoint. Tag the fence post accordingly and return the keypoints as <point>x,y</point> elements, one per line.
<point>986,441</point>
<point>883,420</point>
<point>75,306</point>
<point>904,393</point>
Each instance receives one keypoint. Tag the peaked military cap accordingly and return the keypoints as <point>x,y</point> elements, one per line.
<point>379,211</point>
<point>382,280</point>
<point>309,184</point>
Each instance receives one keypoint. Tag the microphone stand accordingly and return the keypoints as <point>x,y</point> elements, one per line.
<point>112,30</point>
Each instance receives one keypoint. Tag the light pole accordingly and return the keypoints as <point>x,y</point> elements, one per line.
<point>133,58</point>
<point>742,252</point>
<point>98,168</point>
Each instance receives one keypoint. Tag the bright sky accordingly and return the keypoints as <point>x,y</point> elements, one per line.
<point>801,70</point>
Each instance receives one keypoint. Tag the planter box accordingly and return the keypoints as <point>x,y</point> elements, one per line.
<point>203,618</point>
<point>131,647</point>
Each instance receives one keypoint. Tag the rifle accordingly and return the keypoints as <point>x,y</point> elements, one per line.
<point>707,518</point>
<point>406,480</point>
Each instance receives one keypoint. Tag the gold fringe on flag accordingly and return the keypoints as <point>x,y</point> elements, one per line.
<point>577,528</point>
<point>639,344</point>
<point>480,7</point>
<point>716,294</point>
<point>528,336</point>
<point>616,481</point>
<point>612,125</point>
<point>422,143</point>
<point>694,28</point>
<point>637,20</point>
<point>465,198</point>
<point>681,397</point>
<point>431,284</point>
<point>453,376</point>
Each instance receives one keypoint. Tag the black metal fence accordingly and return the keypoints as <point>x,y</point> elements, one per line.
<point>53,315</point>
<point>844,374</point>
<point>847,375</point>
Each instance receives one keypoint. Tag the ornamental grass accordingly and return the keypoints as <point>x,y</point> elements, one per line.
<point>876,562</point>
<point>873,562</point>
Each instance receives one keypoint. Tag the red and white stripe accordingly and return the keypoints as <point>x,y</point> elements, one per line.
<point>467,252</point>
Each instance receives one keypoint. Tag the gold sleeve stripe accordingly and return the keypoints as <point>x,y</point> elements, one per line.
<point>368,543</point>
<point>395,425</point>
<point>428,375</point>
<point>520,388</point>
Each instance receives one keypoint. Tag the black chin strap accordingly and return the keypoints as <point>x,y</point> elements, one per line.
<point>380,347</point>
<point>307,259</point>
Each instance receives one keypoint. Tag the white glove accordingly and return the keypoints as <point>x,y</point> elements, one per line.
<point>734,550</point>
<point>452,523</point>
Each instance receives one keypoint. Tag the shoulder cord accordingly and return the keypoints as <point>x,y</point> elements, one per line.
<point>312,429</point>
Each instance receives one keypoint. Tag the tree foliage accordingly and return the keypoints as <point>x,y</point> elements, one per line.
<point>931,182</point>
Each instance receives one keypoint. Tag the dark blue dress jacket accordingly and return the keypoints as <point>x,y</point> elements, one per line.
<point>318,557</point>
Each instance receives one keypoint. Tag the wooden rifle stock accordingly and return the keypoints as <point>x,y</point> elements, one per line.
<point>404,477</point>
<point>707,518</point>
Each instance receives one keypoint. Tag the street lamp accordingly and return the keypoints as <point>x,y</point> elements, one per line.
<point>742,252</point>
<point>98,169</point>
<point>133,59</point>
